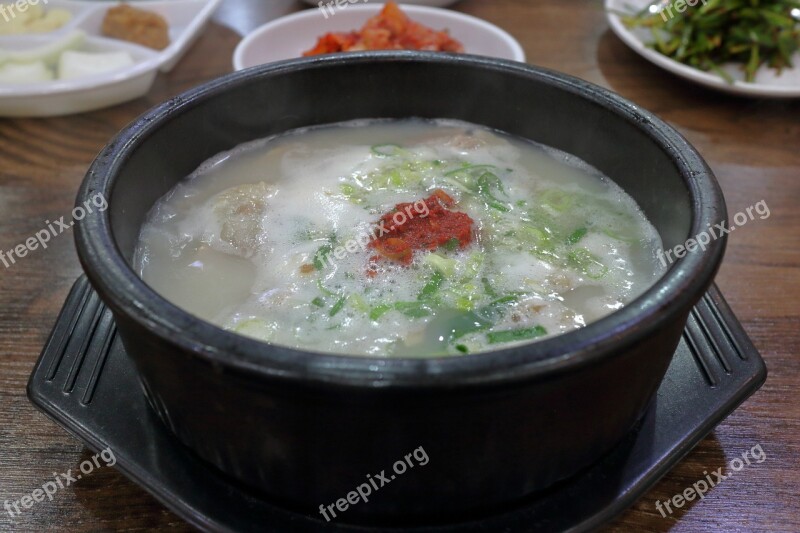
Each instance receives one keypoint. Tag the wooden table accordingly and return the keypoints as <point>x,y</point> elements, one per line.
<point>752,145</point>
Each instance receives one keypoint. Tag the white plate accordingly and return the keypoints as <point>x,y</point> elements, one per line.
<point>767,83</point>
<point>62,97</point>
<point>288,37</point>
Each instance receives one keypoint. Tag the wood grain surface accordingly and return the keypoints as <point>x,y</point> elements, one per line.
<point>753,146</point>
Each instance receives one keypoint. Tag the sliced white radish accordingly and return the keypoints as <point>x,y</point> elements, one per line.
<point>49,53</point>
<point>25,73</point>
<point>79,64</point>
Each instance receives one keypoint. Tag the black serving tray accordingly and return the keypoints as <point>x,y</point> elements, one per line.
<point>87,384</point>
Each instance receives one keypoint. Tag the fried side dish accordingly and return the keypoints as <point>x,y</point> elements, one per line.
<point>137,26</point>
<point>391,29</point>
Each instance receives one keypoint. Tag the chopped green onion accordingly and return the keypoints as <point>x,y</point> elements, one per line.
<point>511,335</point>
<point>352,193</point>
<point>358,302</point>
<point>467,177</point>
<point>495,309</point>
<point>386,150</point>
<point>414,309</point>
<point>321,255</point>
<point>467,323</point>
<point>379,310</point>
<point>451,245</point>
<point>487,287</point>
<point>619,236</point>
<point>474,265</point>
<point>324,289</point>
<point>486,181</point>
<point>534,236</point>
<point>338,306</point>
<point>576,236</point>
<point>444,265</point>
<point>587,263</point>
<point>432,287</point>
<point>393,177</point>
<point>470,170</point>
<point>556,199</point>
<point>319,302</point>
<point>466,295</point>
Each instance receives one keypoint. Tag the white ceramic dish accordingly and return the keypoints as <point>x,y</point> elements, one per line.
<point>767,83</point>
<point>62,97</point>
<point>288,37</point>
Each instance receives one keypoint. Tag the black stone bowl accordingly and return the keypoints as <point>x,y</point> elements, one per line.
<point>307,428</point>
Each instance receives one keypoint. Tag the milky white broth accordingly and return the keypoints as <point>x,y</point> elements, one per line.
<point>271,240</point>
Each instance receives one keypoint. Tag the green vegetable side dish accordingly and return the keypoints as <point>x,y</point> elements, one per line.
<point>751,33</point>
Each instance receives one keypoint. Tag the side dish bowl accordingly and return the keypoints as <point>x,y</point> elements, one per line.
<point>307,428</point>
<point>288,37</point>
